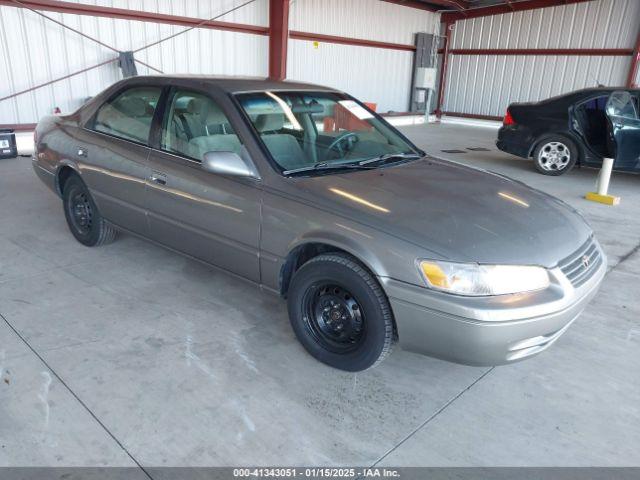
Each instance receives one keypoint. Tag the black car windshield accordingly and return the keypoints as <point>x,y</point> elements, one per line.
<point>312,131</point>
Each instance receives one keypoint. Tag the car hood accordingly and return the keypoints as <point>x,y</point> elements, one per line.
<point>460,213</point>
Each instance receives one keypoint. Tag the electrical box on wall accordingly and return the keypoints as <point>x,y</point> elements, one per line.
<point>425,78</point>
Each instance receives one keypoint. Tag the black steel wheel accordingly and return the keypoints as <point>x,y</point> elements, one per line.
<point>333,317</point>
<point>340,313</point>
<point>83,218</point>
<point>80,212</point>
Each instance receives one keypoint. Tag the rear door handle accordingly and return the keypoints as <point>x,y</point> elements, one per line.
<point>159,178</point>
<point>82,152</point>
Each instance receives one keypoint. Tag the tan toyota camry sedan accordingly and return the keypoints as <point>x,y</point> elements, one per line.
<point>305,191</point>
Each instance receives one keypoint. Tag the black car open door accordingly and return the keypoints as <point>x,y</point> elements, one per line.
<point>624,129</point>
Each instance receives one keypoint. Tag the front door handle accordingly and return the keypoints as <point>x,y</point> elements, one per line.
<point>159,178</point>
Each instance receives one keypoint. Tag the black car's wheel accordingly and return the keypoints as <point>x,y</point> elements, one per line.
<point>83,217</point>
<point>339,313</point>
<point>555,155</point>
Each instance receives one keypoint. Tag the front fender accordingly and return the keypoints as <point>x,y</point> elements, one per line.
<point>346,243</point>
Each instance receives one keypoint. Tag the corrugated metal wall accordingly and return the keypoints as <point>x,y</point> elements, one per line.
<point>34,50</point>
<point>371,74</point>
<point>485,85</point>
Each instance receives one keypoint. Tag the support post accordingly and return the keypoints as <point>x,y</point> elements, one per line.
<point>448,26</point>
<point>278,38</point>
<point>602,185</point>
<point>635,60</point>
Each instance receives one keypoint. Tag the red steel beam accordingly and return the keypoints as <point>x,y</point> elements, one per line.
<point>141,16</point>
<point>635,61</point>
<point>136,15</point>
<point>475,116</point>
<point>278,38</point>
<point>448,26</point>
<point>506,8</point>
<point>349,41</point>
<point>18,127</point>
<point>605,52</point>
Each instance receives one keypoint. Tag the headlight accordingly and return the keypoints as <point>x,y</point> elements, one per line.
<point>481,280</point>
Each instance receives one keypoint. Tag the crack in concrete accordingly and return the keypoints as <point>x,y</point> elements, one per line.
<point>626,257</point>
<point>433,416</point>
<point>84,405</point>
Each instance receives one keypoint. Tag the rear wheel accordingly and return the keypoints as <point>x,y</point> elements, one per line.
<point>555,155</point>
<point>83,218</point>
<point>339,313</point>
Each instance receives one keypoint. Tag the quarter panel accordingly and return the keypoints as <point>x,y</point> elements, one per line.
<point>52,148</point>
<point>112,169</point>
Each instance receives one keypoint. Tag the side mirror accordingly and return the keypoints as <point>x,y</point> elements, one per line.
<point>227,163</point>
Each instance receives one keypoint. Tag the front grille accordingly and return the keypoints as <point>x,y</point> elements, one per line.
<point>583,263</point>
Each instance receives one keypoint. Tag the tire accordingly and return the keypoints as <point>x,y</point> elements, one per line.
<point>555,155</point>
<point>339,313</point>
<point>82,214</point>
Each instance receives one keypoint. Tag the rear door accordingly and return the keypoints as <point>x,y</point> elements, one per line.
<point>112,152</point>
<point>589,122</point>
<point>215,218</point>
<point>624,128</point>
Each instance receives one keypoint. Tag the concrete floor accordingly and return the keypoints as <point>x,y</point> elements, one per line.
<point>130,354</point>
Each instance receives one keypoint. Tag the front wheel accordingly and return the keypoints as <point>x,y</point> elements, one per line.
<point>83,218</point>
<point>339,313</point>
<point>555,155</point>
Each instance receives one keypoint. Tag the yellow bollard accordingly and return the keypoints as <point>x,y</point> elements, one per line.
<point>602,185</point>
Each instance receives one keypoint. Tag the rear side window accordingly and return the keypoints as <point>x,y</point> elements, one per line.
<point>129,114</point>
<point>598,103</point>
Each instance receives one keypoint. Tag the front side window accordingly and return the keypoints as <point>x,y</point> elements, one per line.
<point>313,130</point>
<point>622,104</point>
<point>129,114</point>
<point>194,125</point>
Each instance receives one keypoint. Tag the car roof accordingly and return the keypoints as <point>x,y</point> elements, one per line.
<point>589,90</point>
<point>234,84</point>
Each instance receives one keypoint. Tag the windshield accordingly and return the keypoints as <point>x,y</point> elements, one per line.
<point>313,130</point>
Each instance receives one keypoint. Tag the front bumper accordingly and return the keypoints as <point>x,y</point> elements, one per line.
<point>487,330</point>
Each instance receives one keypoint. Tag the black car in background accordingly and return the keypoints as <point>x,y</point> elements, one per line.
<point>580,128</point>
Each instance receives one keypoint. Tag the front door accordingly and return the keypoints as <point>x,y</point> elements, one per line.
<point>215,218</point>
<point>624,127</point>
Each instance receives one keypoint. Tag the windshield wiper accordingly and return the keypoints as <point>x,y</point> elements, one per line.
<point>363,164</point>
<point>327,166</point>
<point>389,156</point>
